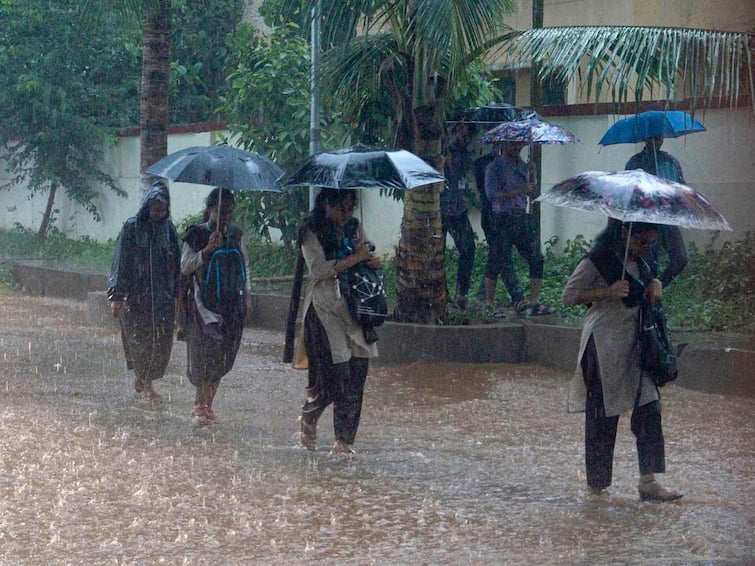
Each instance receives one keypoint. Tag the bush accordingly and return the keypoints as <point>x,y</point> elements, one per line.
<point>716,291</point>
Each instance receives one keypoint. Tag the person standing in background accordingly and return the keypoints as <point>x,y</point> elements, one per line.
<point>507,186</point>
<point>662,164</point>
<point>453,209</point>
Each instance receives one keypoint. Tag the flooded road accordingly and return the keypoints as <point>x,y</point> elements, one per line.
<point>457,464</point>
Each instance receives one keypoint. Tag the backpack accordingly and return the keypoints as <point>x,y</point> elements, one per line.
<point>363,289</point>
<point>224,278</point>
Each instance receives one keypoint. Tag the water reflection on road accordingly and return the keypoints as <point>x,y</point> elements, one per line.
<point>458,464</point>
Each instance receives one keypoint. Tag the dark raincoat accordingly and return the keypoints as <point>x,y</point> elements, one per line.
<point>145,274</point>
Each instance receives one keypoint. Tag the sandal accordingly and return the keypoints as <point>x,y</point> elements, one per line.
<point>521,306</point>
<point>540,310</point>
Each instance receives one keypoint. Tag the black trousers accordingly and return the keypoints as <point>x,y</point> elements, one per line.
<point>600,430</point>
<point>341,384</point>
<point>463,235</point>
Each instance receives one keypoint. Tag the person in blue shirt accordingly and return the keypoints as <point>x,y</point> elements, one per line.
<point>507,185</point>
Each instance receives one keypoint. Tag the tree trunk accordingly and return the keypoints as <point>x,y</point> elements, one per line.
<point>153,107</point>
<point>47,216</point>
<point>420,259</point>
<point>536,101</point>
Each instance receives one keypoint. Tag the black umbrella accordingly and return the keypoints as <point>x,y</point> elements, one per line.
<point>363,167</point>
<point>220,166</point>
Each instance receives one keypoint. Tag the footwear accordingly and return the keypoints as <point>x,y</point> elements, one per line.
<point>536,309</point>
<point>461,302</point>
<point>521,306</point>
<point>203,415</point>
<point>209,413</point>
<point>340,447</point>
<point>653,491</point>
<point>308,434</point>
<point>139,384</point>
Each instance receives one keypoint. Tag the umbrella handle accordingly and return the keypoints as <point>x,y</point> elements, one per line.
<point>626,252</point>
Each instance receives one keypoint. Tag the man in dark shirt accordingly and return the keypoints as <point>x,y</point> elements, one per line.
<point>656,162</point>
<point>453,208</point>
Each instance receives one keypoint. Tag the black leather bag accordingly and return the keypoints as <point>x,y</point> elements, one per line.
<point>658,356</point>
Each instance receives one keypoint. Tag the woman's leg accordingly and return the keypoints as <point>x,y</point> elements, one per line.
<point>651,452</point>
<point>347,408</point>
<point>320,379</point>
<point>600,431</point>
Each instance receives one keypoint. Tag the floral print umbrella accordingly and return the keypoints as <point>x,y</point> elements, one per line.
<point>636,196</point>
<point>529,132</point>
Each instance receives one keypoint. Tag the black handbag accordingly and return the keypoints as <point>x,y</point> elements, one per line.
<point>658,356</point>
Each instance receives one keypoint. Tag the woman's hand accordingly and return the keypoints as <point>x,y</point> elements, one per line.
<point>214,243</point>
<point>375,261</point>
<point>654,290</point>
<point>618,289</point>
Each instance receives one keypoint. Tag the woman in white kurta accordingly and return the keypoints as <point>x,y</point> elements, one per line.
<point>332,346</point>
<point>609,381</point>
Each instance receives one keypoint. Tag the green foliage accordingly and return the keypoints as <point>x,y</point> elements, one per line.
<point>62,92</point>
<point>267,110</point>
<point>201,56</point>
<point>717,288</point>
<point>84,252</point>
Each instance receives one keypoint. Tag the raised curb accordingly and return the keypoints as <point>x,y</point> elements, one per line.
<point>710,368</point>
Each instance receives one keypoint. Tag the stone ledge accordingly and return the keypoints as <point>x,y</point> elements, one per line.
<point>710,368</point>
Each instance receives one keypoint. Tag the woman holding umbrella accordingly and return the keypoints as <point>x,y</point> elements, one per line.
<point>217,298</point>
<point>334,348</point>
<point>611,382</point>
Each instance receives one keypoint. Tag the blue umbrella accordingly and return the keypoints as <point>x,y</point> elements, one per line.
<point>671,124</point>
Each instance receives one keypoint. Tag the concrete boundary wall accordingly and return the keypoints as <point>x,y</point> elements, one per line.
<point>708,367</point>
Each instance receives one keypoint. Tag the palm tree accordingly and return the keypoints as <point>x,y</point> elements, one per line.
<point>416,52</point>
<point>155,16</point>
<point>635,62</point>
<point>404,58</point>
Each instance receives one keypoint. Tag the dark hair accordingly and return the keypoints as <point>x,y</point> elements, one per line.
<point>611,237</point>
<point>317,220</point>
<point>214,196</point>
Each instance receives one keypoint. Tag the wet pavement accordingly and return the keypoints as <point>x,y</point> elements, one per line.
<point>457,464</point>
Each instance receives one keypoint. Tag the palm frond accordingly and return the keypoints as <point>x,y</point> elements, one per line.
<point>695,63</point>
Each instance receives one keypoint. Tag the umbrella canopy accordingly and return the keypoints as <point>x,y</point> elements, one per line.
<point>494,114</point>
<point>363,167</point>
<point>671,124</point>
<point>529,132</point>
<point>636,196</point>
<point>220,166</point>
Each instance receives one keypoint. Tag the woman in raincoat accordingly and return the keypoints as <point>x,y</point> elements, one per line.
<point>332,345</point>
<point>143,288</point>
<point>611,382</point>
<point>217,299</point>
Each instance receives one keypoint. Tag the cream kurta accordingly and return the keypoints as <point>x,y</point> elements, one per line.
<point>345,336</point>
<point>614,329</point>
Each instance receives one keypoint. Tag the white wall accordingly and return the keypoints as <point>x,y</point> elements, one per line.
<point>720,163</point>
